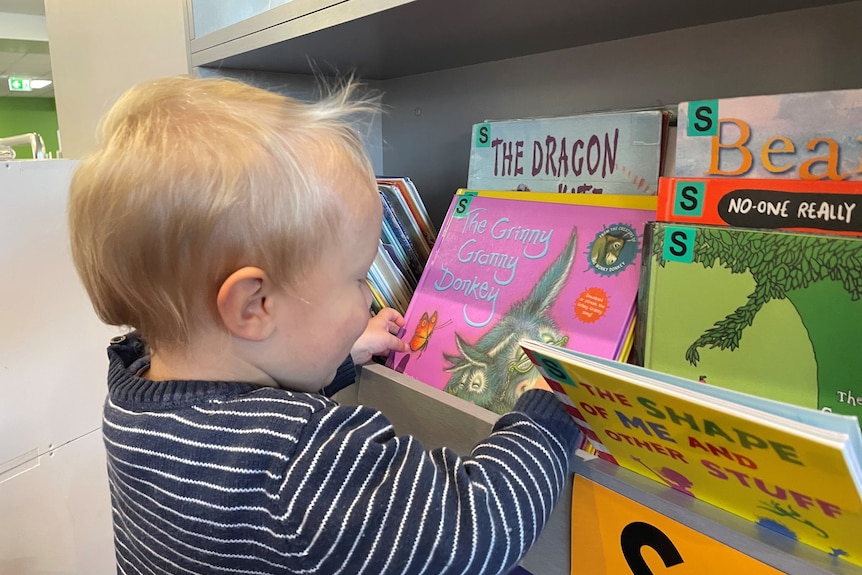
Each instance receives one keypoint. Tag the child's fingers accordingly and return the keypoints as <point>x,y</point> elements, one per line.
<point>391,315</point>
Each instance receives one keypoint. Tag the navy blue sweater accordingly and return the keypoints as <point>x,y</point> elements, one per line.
<point>221,477</point>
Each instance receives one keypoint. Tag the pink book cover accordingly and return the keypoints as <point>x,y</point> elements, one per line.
<point>503,270</point>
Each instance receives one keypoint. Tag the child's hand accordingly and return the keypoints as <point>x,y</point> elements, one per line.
<point>379,337</point>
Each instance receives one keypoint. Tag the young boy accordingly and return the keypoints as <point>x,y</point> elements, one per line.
<point>232,229</point>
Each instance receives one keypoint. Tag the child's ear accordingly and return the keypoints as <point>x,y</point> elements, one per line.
<point>245,304</point>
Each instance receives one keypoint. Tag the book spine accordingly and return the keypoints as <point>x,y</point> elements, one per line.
<point>639,347</point>
<point>407,219</point>
<point>411,193</point>
<point>413,263</point>
<point>665,197</point>
<point>414,202</point>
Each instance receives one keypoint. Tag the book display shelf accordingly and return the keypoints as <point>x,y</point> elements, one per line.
<point>445,65</point>
<point>440,419</point>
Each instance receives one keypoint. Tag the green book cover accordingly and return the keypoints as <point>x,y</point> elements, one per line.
<point>777,314</point>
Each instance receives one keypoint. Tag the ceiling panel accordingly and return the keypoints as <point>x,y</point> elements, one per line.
<point>34,65</point>
<point>24,58</point>
<point>34,7</point>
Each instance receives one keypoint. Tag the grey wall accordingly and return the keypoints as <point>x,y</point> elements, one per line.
<point>427,130</point>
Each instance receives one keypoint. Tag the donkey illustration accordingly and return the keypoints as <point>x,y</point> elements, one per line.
<point>494,371</point>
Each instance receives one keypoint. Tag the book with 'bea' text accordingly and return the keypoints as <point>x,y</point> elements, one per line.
<point>803,136</point>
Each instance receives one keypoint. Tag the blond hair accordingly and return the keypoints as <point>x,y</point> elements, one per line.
<point>196,178</point>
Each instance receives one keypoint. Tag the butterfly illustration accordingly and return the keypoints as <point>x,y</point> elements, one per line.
<point>423,332</point>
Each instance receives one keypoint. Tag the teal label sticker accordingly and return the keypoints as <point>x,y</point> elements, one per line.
<point>483,136</point>
<point>462,204</point>
<point>679,244</point>
<point>614,249</point>
<point>688,199</point>
<point>552,369</point>
<point>702,118</point>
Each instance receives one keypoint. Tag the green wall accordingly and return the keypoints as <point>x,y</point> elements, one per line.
<point>25,115</point>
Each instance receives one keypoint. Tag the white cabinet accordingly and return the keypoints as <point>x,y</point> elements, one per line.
<point>55,510</point>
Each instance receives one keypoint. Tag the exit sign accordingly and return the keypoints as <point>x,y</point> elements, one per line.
<point>19,84</point>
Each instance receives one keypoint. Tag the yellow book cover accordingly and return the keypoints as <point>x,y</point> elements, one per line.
<point>610,200</point>
<point>788,468</point>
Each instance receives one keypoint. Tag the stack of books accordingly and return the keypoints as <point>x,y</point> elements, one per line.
<point>559,267</point>
<point>753,274</point>
<point>406,239</point>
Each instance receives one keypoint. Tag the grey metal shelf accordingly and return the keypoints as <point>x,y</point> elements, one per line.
<point>385,39</point>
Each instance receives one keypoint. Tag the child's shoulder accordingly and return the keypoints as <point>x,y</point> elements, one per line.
<point>272,400</point>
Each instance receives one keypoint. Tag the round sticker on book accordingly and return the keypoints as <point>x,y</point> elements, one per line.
<point>614,249</point>
<point>591,305</point>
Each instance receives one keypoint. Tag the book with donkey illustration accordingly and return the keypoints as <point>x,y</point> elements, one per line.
<point>561,270</point>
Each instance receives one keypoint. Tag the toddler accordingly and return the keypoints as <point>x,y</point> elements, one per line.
<point>231,230</point>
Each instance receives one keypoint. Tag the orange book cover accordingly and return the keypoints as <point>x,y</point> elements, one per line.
<point>612,534</point>
<point>797,205</point>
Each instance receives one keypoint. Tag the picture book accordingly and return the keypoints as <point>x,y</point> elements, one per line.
<point>797,205</point>
<point>597,153</point>
<point>418,217</point>
<point>394,234</point>
<point>502,269</point>
<point>768,312</point>
<point>387,283</point>
<point>609,531</point>
<point>804,136</point>
<point>404,245</point>
<point>790,469</point>
<point>404,212</point>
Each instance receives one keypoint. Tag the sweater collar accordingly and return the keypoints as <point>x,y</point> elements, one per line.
<point>127,355</point>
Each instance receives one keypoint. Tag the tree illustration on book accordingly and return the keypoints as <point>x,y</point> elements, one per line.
<point>821,276</point>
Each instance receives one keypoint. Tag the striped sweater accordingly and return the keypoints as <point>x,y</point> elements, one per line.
<point>220,477</point>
